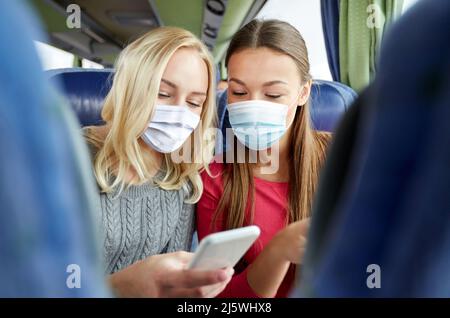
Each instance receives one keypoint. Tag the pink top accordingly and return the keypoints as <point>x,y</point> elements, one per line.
<point>270,215</point>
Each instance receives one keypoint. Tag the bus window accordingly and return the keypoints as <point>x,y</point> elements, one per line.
<point>52,57</point>
<point>305,16</point>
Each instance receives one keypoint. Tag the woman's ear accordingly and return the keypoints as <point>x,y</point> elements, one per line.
<point>304,94</point>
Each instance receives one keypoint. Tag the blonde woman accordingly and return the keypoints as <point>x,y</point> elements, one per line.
<point>268,94</point>
<point>161,101</point>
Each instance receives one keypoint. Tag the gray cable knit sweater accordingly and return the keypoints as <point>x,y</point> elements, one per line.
<point>144,220</point>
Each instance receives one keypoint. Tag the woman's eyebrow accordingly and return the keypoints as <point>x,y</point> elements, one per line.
<point>265,84</point>
<point>198,93</point>
<point>169,83</point>
<point>175,86</point>
<point>274,83</point>
<point>237,81</point>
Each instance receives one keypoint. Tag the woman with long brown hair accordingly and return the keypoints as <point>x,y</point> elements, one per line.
<point>268,93</point>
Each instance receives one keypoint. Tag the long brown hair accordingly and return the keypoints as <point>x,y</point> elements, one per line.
<point>307,147</point>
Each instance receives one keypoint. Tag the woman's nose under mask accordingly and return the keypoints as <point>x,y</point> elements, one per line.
<point>170,127</point>
<point>258,124</point>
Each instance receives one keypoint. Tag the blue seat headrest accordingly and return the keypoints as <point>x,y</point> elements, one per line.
<point>85,91</point>
<point>329,101</point>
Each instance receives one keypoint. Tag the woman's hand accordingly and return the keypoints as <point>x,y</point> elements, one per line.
<point>287,247</point>
<point>290,243</point>
<point>166,276</point>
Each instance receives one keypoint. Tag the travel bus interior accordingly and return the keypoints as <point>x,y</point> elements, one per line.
<point>383,193</point>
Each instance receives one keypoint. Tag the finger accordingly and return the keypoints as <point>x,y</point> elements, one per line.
<point>183,293</point>
<point>195,278</point>
<point>198,292</point>
<point>306,222</point>
<point>216,289</point>
<point>304,226</point>
<point>213,290</point>
<point>300,256</point>
<point>229,271</point>
<point>303,241</point>
<point>184,257</point>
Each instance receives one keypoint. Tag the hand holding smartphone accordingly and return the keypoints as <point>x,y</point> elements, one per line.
<point>224,249</point>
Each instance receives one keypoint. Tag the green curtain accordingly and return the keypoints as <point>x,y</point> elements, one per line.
<point>362,24</point>
<point>223,71</point>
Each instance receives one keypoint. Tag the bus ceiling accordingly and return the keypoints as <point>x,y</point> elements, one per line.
<point>105,27</point>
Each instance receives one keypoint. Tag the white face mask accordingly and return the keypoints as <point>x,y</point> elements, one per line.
<point>258,124</point>
<point>170,127</point>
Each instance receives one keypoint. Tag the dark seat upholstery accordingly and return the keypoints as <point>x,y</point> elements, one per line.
<point>85,90</point>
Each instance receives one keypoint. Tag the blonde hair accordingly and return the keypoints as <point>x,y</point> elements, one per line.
<point>129,106</point>
<point>307,147</point>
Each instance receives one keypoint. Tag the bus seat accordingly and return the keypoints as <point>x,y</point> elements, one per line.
<point>85,90</point>
<point>329,101</point>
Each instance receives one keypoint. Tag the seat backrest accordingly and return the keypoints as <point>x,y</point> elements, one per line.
<point>85,91</point>
<point>329,101</point>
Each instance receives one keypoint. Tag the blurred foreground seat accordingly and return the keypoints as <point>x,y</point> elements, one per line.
<point>381,215</point>
<point>46,226</point>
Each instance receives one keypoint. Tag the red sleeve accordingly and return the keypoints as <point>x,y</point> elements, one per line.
<point>206,207</point>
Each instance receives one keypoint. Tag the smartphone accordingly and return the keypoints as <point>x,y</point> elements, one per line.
<point>224,249</point>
